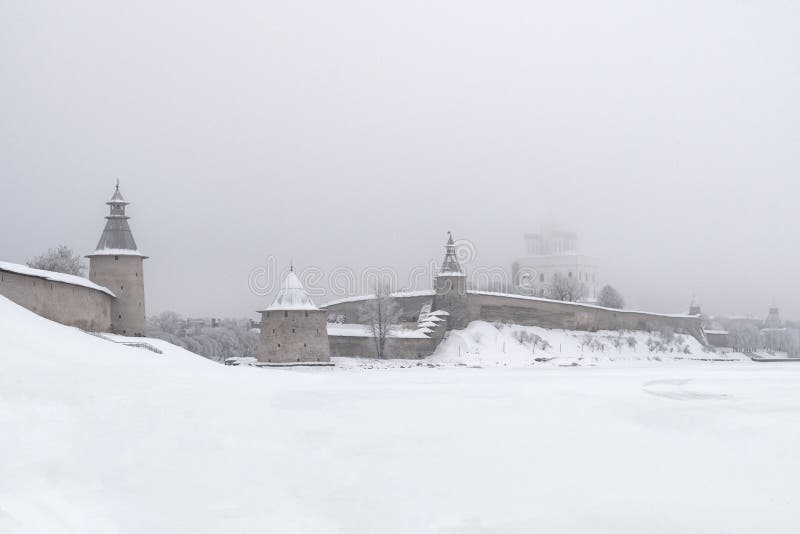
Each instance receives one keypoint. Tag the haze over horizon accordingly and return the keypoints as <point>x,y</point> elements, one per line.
<point>357,134</point>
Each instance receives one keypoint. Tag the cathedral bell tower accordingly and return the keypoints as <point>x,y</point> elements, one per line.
<point>118,265</point>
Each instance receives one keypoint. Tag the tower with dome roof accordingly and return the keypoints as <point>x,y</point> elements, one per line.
<point>293,329</point>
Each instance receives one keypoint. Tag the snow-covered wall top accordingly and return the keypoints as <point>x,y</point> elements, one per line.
<point>581,304</point>
<point>400,294</point>
<point>52,276</point>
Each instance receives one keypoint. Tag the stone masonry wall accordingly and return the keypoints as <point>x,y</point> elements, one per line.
<point>294,336</point>
<point>572,316</point>
<point>125,277</point>
<point>67,304</point>
<point>410,307</point>
<point>396,347</point>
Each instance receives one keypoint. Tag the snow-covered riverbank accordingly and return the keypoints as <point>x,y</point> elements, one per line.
<point>98,438</point>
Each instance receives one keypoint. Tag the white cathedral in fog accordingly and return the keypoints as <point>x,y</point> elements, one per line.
<point>554,251</point>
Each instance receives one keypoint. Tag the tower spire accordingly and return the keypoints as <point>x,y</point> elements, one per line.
<point>117,233</point>
<point>450,265</point>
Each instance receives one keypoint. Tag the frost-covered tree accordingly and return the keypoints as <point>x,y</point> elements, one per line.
<point>228,338</point>
<point>61,259</point>
<point>567,288</point>
<point>781,340</point>
<point>610,298</point>
<point>380,313</point>
<point>743,337</point>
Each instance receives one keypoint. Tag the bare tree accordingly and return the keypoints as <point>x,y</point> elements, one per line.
<point>610,298</point>
<point>380,313</point>
<point>567,288</point>
<point>61,259</point>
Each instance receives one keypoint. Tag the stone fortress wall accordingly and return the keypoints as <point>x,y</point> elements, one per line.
<point>70,304</point>
<point>532,311</point>
<point>396,347</point>
<point>497,307</point>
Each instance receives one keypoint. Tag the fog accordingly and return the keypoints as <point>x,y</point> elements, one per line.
<point>358,133</point>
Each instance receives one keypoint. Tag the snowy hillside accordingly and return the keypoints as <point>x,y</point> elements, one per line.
<point>484,344</point>
<point>99,438</point>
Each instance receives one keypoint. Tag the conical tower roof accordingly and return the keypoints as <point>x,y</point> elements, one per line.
<point>450,265</point>
<point>117,237</point>
<point>292,295</point>
<point>773,319</point>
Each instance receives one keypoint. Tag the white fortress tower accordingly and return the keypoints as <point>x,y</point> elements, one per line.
<point>554,251</point>
<point>118,265</point>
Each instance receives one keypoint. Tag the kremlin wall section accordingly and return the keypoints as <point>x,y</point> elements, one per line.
<point>69,304</point>
<point>497,307</point>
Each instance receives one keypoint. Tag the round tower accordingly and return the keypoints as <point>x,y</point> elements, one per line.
<point>450,285</point>
<point>293,329</point>
<point>118,265</point>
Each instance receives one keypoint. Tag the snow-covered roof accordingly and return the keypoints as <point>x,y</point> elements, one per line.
<point>398,295</point>
<point>117,233</point>
<point>292,295</point>
<point>116,252</point>
<point>363,330</point>
<point>117,197</point>
<point>52,276</point>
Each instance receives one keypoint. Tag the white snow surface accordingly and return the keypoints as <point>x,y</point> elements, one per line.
<point>398,294</point>
<point>53,276</point>
<point>102,438</point>
<point>363,330</point>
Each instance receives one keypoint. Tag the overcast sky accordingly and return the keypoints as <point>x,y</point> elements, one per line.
<point>666,134</point>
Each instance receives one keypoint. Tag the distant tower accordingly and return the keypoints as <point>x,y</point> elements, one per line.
<point>293,329</point>
<point>773,320</point>
<point>451,288</point>
<point>117,264</point>
<point>694,307</point>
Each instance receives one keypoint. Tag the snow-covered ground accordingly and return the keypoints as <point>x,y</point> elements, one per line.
<point>484,344</point>
<point>96,437</point>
